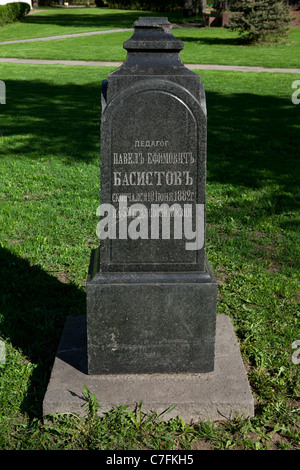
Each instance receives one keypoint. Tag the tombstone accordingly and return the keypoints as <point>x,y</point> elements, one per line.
<point>151,294</point>
<point>151,332</point>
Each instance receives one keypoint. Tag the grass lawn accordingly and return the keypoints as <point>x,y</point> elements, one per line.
<point>49,193</point>
<point>202,45</point>
<point>220,46</point>
<point>54,21</point>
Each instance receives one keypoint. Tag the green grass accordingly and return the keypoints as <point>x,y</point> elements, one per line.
<point>49,192</point>
<point>202,45</point>
<point>221,46</point>
<point>56,21</point>
<point>100,47</point>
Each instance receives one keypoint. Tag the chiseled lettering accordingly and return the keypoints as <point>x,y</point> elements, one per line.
<point>117,178</point>
<point>141,178</point>
<point>151,143</point>
<point>128,158</point>
<point>158,175</point>
<point>177,178</point>
<point>169,178</point>
<point>170,158</point>
<point>150,178</point>
<point>188,178</point>
<point>149,181</point>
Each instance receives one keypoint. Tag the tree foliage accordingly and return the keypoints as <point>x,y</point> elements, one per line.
<point>260,20</point>
<point>13,12</point>
<point>150,5</point>
<point>187,7</point>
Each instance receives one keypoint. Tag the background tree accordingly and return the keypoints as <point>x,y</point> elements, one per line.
<point>220,5</point>
<point>193,7</point>
<point>260,20</point>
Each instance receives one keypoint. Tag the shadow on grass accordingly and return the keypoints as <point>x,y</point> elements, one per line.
<point>44,119</point>
<point>34,307</point>
<point>98,19</point>
<point>252,139</point>
<point>123,20</point>
<point>217,41</point>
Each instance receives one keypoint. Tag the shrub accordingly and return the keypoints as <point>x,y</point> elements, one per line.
<point>260,20</point>
<point>150,5</point>
<point>13,12</point>
<point>187,7</point>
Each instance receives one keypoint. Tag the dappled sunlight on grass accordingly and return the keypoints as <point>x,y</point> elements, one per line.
<point>49,193</point>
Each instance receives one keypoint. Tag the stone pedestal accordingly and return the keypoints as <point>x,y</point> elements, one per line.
<point>151,322</point>
<point>219,395</point>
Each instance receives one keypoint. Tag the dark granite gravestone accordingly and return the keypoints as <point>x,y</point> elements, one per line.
<point>151,333</point>
<point>151,294</point>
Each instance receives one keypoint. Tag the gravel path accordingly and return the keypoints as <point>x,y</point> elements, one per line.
<point>65,36</point>
<point>236,68</point>
<point>95,63</point>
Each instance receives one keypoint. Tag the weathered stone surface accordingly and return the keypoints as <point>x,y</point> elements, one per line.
<point>153,147</point>
<point>218,395</point>
<point>151,295</point>
<point>151,322</point>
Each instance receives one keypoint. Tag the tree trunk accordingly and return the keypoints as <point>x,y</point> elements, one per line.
<point>189,9</point>
<point>193,7</point>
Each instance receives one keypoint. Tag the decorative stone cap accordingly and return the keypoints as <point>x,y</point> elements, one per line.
<point>153,34</point>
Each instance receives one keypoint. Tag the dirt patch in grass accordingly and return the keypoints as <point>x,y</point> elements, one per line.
<point>201,445</point>
<point>277,441</point>
<point>16,241</point>
<point>221,276</point>
<point>63,277</point>
<point>31,197</point>
<point>221,280</point>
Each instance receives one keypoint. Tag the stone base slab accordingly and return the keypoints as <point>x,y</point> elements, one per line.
<point>219,395</point>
